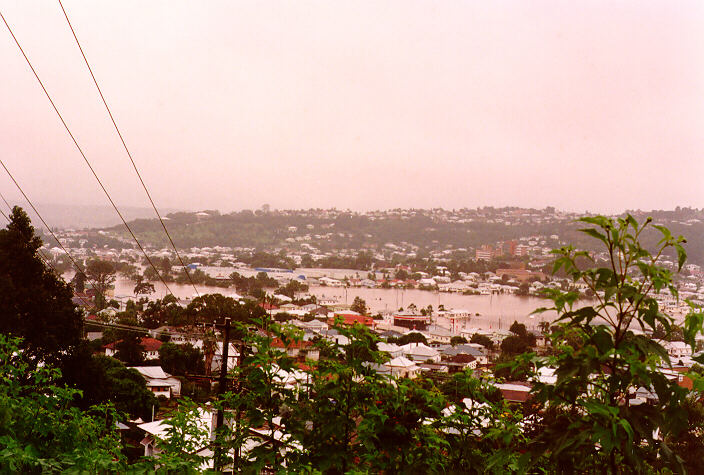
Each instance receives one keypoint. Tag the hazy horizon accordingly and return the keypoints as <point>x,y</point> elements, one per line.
<point>84,216</point>
<point>584,106</point>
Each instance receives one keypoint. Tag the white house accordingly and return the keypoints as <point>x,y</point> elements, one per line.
<point>438,334</point>
<point>330,282</point>
<point>677,349</point>
<point>420,352</point>
<point>401,367</point>
<point>159,382</point>
<point>391,348</point>
<point>232,357</point>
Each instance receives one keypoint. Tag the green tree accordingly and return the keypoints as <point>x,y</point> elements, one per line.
<point>213,308</point>
<point>101,274</point>
<point>111,381</point>
<point>164,311</point>
<point>689,444</point>
<point>401,429</point>
<point>359,306</point>
<point>143,288</point>
<point>41,431</point>
<point>129,348</point>
<point>186,434</point>
<point>79,281</point>
<point>523,289</point>
<point>457,340</point>
<point>483,432</point>
<point>181,359</point>
<point>591,422</point>
<point>518,329</point>
<point>260,398</point>
<point>412,337</point>
<point>483,340</point>
<point>34,303</point>
<point>164,267</point>
<point>341,390</point>
<point>514,345</point>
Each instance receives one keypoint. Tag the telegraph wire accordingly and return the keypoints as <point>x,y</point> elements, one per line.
<point>36,211</point>
<point>6,203</point>
<point>40,217</point>
<point>41,256</point>
<point>124,145</point>
<point>75,142</point>
<point>138,329</point>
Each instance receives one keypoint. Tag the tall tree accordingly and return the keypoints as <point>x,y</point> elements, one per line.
<point>35,304</point>
<point>79,281</point>
<point>180,359</point>
<point>142,287</point>
<point>102,275</point>
<point>359,306</point>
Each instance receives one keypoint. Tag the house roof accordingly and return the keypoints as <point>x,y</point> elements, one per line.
<point>462,350</point>
<point>400,362</point>
<point>160,428</point>
<point>419,349</point>
<point>151,372</point>
<point>352,318</point>
<point>278,343</point>
<point>389,347</point>
<point>149,344</point>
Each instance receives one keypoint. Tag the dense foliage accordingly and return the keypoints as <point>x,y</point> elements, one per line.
<point>594,415</point>
<point>34,303</point>
<point>40,430</point>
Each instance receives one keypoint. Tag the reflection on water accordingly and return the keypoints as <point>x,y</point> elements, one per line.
<point>488,311</point>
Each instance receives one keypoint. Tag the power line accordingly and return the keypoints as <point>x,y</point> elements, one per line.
<point>75,142</point>
<point>117,129</point>
<point>6,203</point>
<point>40,216</point>
<point>41,256</point>
<point>138,329</point>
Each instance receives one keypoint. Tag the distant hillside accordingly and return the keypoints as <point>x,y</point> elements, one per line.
<point>427,229</point>
<point>85,216</point>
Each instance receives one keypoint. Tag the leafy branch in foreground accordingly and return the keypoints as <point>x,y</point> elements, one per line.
<point>41,430</point>
<point>612,408</point>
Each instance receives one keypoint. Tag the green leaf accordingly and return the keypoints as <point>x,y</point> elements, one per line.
<point>681,256</point>
<point>594,233</point>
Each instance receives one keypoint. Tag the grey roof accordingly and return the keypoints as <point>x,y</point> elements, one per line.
<point>462,350</point>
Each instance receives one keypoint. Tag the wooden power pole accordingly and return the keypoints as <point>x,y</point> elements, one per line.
<point>218,465</point>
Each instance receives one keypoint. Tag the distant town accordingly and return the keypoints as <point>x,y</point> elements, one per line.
<point>470,251</point>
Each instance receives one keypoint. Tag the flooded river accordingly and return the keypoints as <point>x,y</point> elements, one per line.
<point>488,311</point>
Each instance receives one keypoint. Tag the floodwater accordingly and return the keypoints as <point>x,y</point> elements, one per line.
<point>488,311</point>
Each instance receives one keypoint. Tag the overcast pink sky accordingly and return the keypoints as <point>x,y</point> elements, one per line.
<point>581,105</point>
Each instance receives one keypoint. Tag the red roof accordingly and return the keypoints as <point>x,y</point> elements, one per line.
<point>278,343</point>
<point>351,319</point>
<point>268,306</point>
<point>149,344</point>
<point>412,317</point>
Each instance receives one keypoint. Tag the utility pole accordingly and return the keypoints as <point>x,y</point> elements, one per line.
<point>221,390</point>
